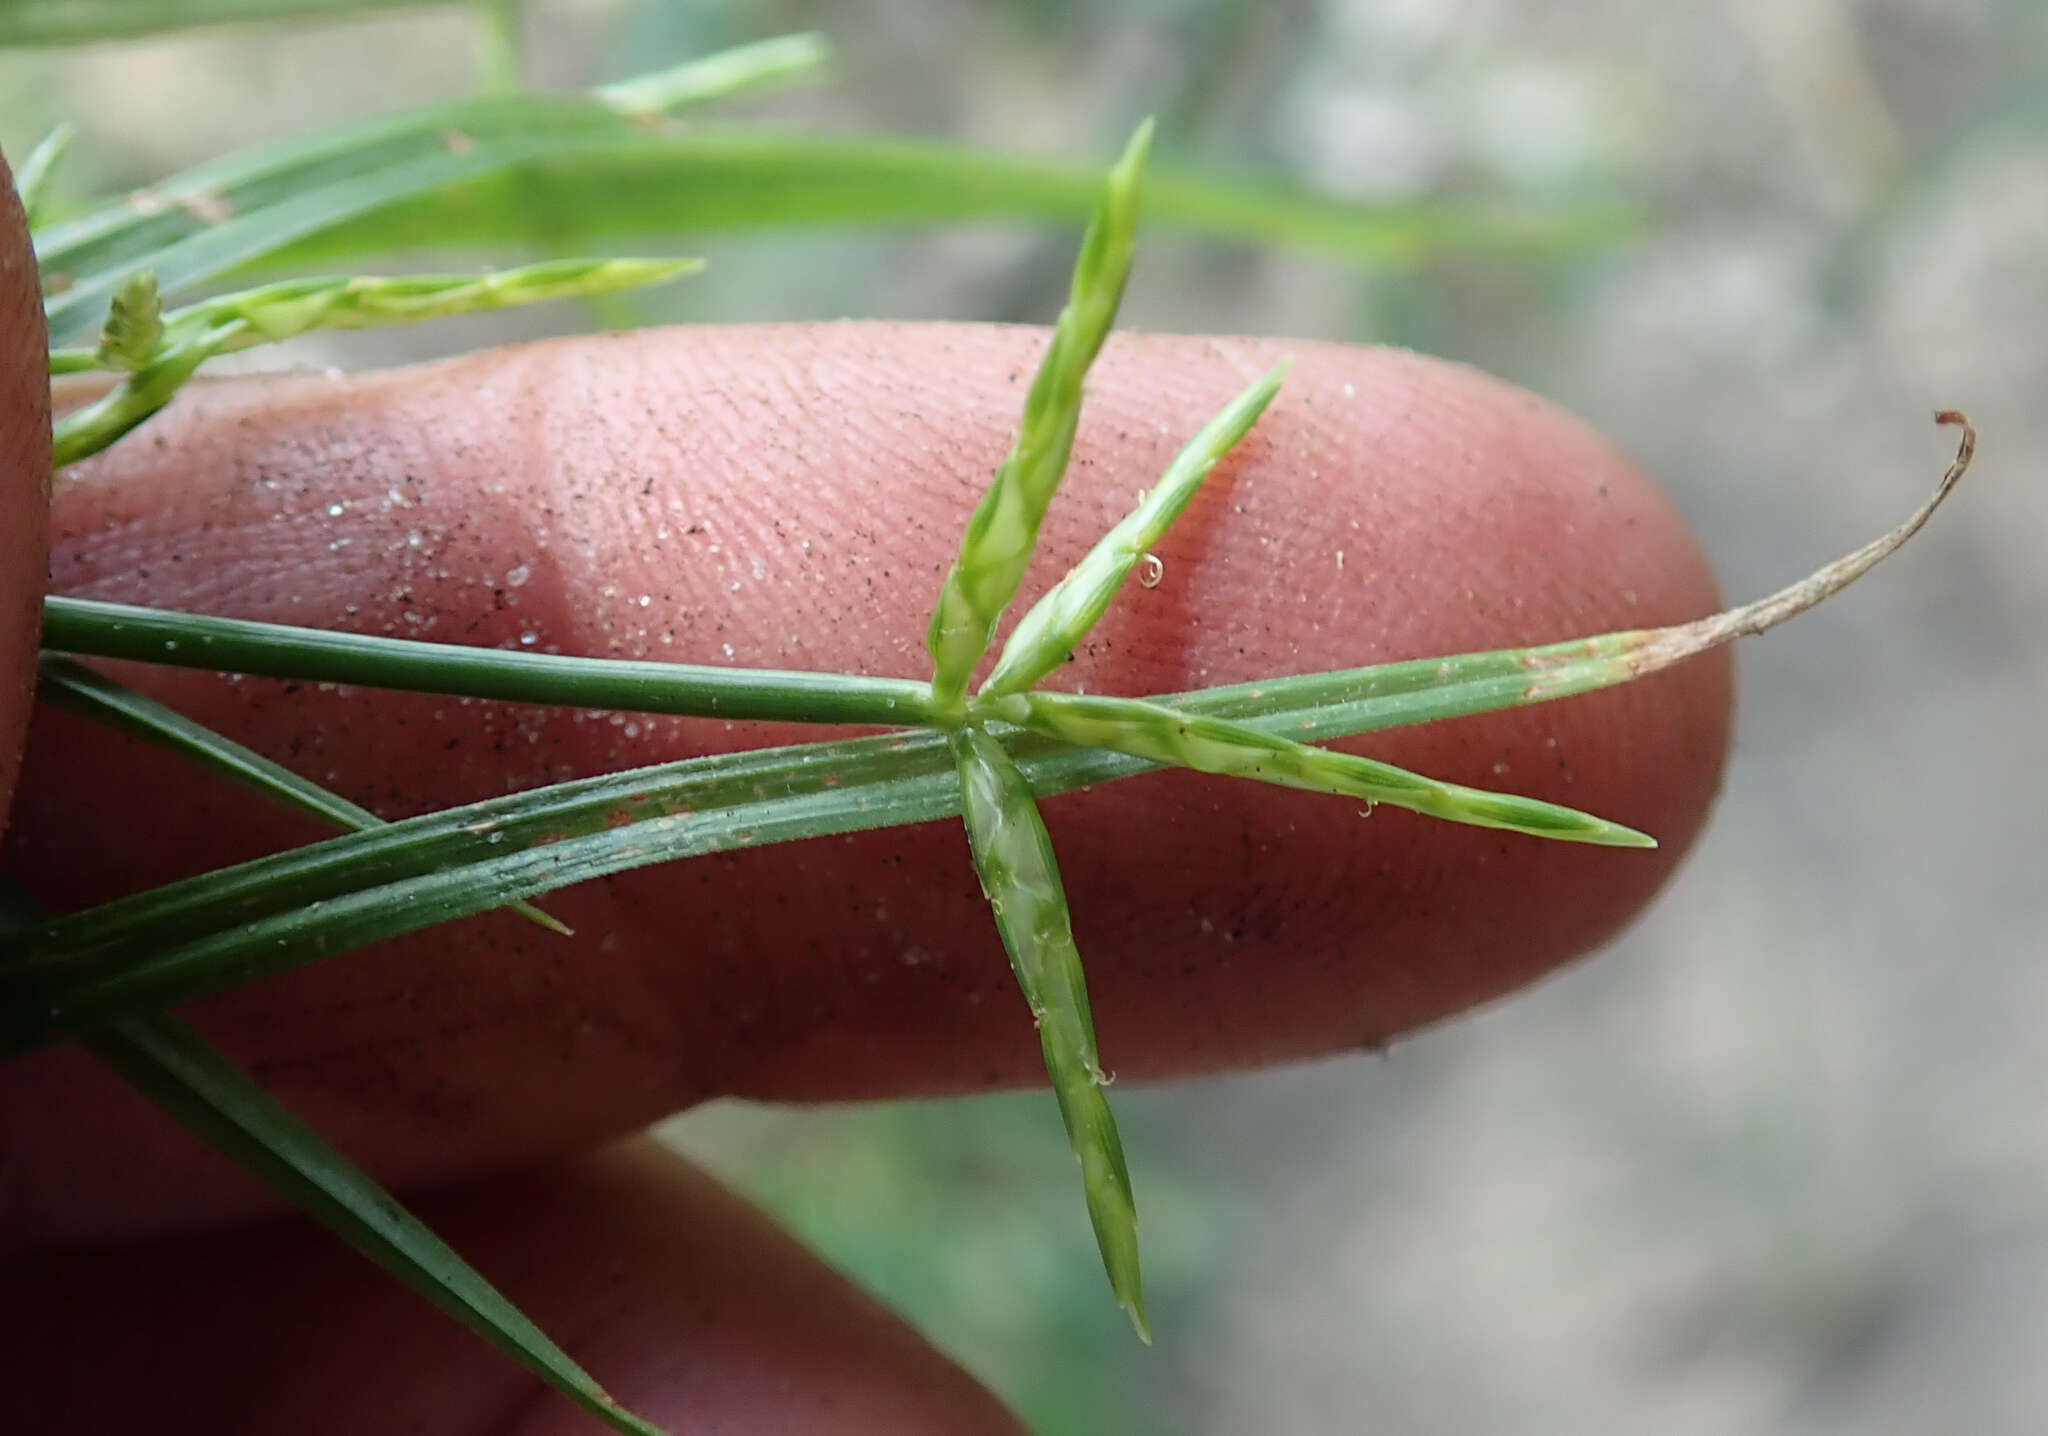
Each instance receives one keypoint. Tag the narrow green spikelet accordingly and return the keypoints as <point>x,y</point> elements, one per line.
<point>32,180</point>
<point>1216,745</point>
<point>1045,636</point>
<point>997,543</point>
<point>276,312</point>
<point>185,338</point>
<point>1013,858</point>
<point>134,330</point>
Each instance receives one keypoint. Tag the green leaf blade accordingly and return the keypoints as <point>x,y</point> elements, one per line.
<point>780,60</point>
<point>32,179</point>
<point>76,688</point>
<point>729,177</point>
<point>169,1063</point>
<point>247,207</point>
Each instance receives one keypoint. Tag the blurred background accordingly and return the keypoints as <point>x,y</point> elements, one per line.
<point>1777,1158</point>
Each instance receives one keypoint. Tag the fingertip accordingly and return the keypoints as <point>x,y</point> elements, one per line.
<point>790,497</point>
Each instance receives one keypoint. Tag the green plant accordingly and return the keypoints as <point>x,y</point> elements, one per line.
<point>103,976</point>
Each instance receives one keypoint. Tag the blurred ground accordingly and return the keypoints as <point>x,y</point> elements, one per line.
<point>1775,1160</point>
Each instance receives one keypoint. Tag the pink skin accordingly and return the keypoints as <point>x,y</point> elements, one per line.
<point>795,492</point>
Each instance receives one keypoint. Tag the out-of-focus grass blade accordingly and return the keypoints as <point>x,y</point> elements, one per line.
<point>738,178</point>
<point>91,694</point>
<point>246,207</point>
<point>169,1063</point>
<point>75,22</point>
<point>760,65</point>
<point>233,645</point>
<point>1046,634</point>
<point>1013,857</point>
<point>227,927</point>
<point>1214,745</point>
<point>996,544</point>
<point>32,178</point>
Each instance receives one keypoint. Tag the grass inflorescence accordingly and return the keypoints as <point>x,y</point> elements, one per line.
<point>106,976</point>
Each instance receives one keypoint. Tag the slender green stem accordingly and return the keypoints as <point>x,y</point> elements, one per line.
<point>270,650</point>
<point>86,431</point>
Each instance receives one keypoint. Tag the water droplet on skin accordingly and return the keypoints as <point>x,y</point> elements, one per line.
<point>517,577</point>
<point>335,511</point>
<point>1151,569</point>
<point>527,640</point>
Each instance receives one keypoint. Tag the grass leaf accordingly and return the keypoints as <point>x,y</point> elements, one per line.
<point>78,689</point>
<point>720,178</point>
<point>77,22</point>
<point>32,179</point>
<point>245,207</point>
<point>169,1063</point>
<point>759,65</point>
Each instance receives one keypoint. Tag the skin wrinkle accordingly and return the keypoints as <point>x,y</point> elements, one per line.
<point>1223,925</point>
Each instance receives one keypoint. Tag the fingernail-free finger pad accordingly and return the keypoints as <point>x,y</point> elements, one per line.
<point>793,495</point>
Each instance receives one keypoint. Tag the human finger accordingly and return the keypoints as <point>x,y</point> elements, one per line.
<point>792,495</point>
<point>693,1309</point>
<point>24,478</point>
